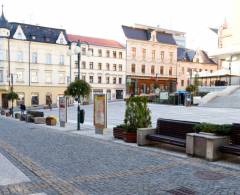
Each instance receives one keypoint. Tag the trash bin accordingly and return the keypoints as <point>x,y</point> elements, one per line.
<point>82,116</point>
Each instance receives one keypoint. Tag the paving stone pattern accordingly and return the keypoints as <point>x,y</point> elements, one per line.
<point>65,163</point>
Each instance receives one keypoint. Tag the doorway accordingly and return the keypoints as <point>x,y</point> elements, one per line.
<point>4,101</point>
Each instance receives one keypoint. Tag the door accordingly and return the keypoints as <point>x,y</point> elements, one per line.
<point>4,101</point>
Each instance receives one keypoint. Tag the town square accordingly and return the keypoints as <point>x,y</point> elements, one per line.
<point>120,97</point>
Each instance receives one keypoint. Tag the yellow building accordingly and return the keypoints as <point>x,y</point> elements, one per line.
<point>33,59</point>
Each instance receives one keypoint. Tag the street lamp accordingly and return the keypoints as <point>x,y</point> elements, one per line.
<point>230,60</point>
<point>77,50</point>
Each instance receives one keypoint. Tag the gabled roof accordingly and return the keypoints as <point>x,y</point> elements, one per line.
<point>37,33</point>
<point>184,54</point>
<point>95,41</point>
<point>145,35</point>
<point>187,55</point>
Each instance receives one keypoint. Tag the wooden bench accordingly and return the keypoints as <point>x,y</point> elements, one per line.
<point>234,146</point>
<point>172,132</point>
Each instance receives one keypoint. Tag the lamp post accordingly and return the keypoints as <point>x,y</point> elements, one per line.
<point>77,51</point>
<point>230,60</point>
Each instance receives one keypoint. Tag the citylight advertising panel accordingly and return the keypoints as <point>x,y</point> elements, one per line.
<point>100,111</point>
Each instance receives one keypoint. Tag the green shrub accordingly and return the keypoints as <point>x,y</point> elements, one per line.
<point>137,114</point>
<point>213,128</point>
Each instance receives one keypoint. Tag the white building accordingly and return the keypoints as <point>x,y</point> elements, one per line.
<point>102,65</point>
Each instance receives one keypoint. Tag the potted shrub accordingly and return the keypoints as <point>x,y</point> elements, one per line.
<point>137,115</point>
<point>213,129</point>
<point>51,120</point>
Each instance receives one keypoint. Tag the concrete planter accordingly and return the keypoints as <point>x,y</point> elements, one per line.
<point>17,115</point>
<point>8,114</point>
<point>205,145</point>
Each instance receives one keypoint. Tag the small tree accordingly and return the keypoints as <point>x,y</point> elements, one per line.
<point>12,96</point>
<point>137,114</point>
<point>78,88</point>
<point>193,88</point>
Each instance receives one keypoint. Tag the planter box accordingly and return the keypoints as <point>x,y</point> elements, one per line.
<point>39,120</point>
<point>29,118</point>
<point>130,137</point>
<point>51,121</point>
<point>205,145</point>
<point>35,113</point>
<point>23,117</point>
<point>2,112</point>
<point>118,132</point>
<point>8,114</point>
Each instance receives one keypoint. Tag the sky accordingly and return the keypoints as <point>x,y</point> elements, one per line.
<point>103,18</point>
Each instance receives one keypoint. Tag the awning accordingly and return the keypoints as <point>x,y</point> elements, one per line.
<point>224,53</point>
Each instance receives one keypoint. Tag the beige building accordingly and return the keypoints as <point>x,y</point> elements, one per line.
<point>35,58</point>
<point>102,65</point>
<point>151,59</point>
<point>191,62</point>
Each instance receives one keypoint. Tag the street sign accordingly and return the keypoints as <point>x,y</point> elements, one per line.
<point>163,95</point>
<point>100,112</point>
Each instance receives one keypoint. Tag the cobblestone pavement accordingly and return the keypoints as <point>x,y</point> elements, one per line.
<point>116,113</point>
<point>64,163</point>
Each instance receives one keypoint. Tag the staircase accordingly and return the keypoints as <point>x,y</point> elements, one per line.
<point>228,98</point>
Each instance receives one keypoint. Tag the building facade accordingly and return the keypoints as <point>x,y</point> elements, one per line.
<point>191,62</point>
<point>151,59</point>
<point>102,65</point>
<point>33,61</point>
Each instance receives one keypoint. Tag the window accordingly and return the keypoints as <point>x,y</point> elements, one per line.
<point>171,56</point>
<point>170,71</point>
<point>34,76</point>
<point>48,98</point>
<point>61,77</point>
<point>133,52</point>
<point>48,77</point>
<point>161,70</point>
<point>162,56</point>
<point>120,55</point>
<point>35,99</point>
<point>114,80</point>
<point>144,53</point>
<point>108,54</point>
<point>61,61</point>
<point>83,65</point>
<point>99,66</point>
<point>99,53</point>
<point>34,57</point>
<point>90,51</point>
<point>91,65</point>
<point>153,54</point>
<point>21,99</point>
<point>120,67</point>
<point>19,75</point>
<point>83,77</point>
<point>200,70</point>
<point>1,54</point>
<point>83,51</point>
<point>143,69</point>
<point>114,67</point>
<point>182,83</point>
<point>1,75</point>
<point>99,79</point>
<point>120,80</point>
<point>90,79</point>
<point>211,71</point>
<point>19,56</point>
<point>108,66</point>
<point>48,58</point>
<point>107,80</point>
<point>152,70</point>
<point>114,54</point>
<point>183,71</point>
<point>133,68</point>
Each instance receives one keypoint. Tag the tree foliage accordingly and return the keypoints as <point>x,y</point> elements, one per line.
<point>137,114</point>
<point>12,96</point>
<point>78,88</point>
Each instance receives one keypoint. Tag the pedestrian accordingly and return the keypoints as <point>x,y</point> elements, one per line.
<point>22,108</point>
<point>50,104</point>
